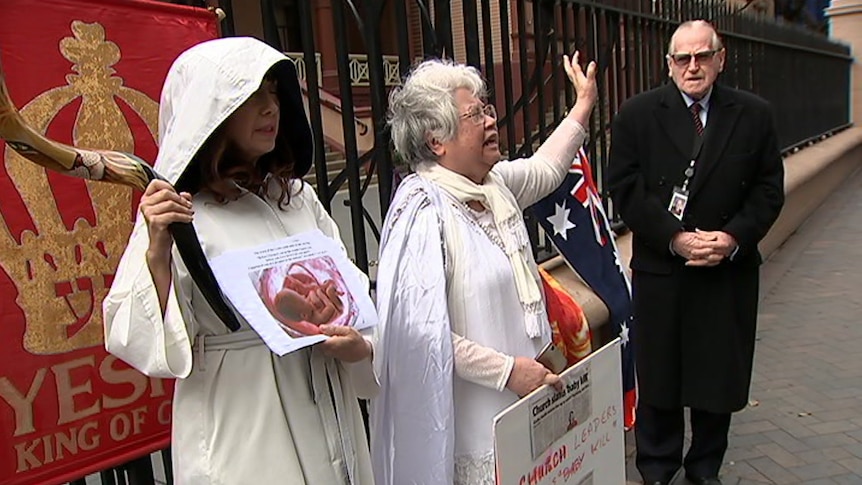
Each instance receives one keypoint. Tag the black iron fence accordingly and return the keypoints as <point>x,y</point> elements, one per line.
<point>517,44</point>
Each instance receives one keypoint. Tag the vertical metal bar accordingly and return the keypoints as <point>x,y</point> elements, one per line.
<point>656,48</point>
<point>587,22</point>
<point>228,28</point>
<point>619,73</point>
<point>347,123</point>
<point>650,34</point>
<point>403,34</point>
<point>600,46</point>
<point>720,17</point>
<point>639,55</point>
<point>506,37</point>
<point>270,29</point>
<point>661,35</point>
<point>140,471</point>
<point>107,477</point>
<point>844,91</point>
<point>488,39</point>
<point>168,465</point>
<point>443,27</point>
<point>524,102</point>
<point>628,57</point>
<point>527,148</point>
<point>624,74</point>
<point>539,69</point>
<point>314,115</point>
<point>565,14</point>
<point>383,158</point>
<point>430,47</point>
<point>556,68</point>
<point>811,123</point>
<point>471,32</point>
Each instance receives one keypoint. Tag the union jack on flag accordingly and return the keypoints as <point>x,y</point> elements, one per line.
<point>575,220</point>
<point>584,191</point>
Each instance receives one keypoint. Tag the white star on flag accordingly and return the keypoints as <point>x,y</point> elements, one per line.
<point>560,221</point>
<point>624,333</point>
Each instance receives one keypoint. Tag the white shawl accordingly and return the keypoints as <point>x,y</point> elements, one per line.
<point>498,199</point>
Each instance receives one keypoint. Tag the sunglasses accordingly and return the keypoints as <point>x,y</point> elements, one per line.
<point>478,113</point>
<point>684,58</point>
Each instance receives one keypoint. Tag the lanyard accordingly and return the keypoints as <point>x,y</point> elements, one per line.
<point>695,152</point>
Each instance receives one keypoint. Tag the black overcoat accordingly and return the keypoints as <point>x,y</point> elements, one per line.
<point>695,332</point>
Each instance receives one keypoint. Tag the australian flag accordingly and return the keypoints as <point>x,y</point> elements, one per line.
<point>575,220</point>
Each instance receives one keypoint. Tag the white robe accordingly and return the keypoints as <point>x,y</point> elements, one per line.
<point>429,425</point>
<point>241,414</point>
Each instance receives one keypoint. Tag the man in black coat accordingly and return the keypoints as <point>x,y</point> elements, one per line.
<point>697,176</point>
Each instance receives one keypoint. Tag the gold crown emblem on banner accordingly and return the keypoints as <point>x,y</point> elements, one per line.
<point>62,275</point>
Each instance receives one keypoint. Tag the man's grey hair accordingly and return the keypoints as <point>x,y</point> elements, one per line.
<point>424,107</point>
<point>716,40</point>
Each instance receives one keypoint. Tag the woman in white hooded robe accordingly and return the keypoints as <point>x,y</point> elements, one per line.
<point>235,142</point>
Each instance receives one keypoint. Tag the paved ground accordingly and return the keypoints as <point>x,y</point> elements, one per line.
<point>804,421</point>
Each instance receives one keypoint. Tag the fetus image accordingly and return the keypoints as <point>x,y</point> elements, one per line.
<point>304,295</point>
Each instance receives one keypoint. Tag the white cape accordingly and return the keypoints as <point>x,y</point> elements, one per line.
<point>412,419</point>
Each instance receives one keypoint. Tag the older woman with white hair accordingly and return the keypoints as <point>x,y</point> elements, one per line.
<point>462,315</point>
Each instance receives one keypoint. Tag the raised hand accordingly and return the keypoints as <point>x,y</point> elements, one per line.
<point>585,84</point>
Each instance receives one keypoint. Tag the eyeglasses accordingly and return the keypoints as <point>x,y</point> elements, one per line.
<point>684,58</point>
<point>478,113</point>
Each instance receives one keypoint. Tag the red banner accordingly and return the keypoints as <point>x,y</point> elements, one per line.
<point>88,73</point>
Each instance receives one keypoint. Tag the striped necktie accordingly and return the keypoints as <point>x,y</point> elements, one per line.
<point>695,113</point>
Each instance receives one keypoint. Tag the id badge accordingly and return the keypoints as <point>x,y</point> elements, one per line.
<point>678,200</point>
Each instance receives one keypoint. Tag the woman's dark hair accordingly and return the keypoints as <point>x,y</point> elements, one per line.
<point>218,168</point>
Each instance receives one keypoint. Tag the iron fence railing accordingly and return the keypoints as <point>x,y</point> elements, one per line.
<point>518,44</point>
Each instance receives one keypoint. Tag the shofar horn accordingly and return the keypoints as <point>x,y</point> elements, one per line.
<point>100,165</point>
<point>113,167</point>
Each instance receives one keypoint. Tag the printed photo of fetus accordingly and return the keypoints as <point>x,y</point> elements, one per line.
<point>304,295</point>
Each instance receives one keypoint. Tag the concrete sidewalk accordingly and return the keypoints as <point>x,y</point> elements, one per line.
<point>804,421</point>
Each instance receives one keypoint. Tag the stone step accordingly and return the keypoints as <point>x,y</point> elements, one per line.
<point>332,155</point>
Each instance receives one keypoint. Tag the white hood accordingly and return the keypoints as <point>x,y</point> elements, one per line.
<point>207,83</point>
